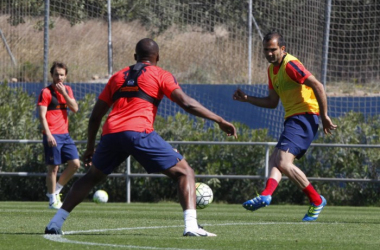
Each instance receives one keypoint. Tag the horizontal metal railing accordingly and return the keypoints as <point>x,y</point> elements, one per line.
<point>128,175</point>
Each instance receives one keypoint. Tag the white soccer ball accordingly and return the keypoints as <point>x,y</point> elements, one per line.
<point>100,196</point>
<point>204,195</point>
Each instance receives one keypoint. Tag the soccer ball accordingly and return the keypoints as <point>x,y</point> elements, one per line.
<point>100,196</point>
<point>204,195</point>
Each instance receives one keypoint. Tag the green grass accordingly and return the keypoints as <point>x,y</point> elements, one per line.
<point>160,226</point>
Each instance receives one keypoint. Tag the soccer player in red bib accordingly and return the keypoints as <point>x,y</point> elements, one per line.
<point>134,94</point>
<point>58,146</point>
<point>304,100</point>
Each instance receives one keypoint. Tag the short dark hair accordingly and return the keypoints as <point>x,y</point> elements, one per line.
<point>57,64</point>
<point>273,35</point>
<point>146,48</point>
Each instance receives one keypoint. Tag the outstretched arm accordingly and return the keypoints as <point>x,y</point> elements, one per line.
<point>193,107</point>
<point>320,94</point>
<point>270,101</point>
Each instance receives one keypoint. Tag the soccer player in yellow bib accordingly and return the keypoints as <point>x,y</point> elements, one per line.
<point>304,100</point>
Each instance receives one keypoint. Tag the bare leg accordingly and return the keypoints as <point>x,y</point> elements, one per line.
<point>275,173</point>
<point>67,174</point>
<point>285,164</point>
<point>185,177</point>
<point>82,188</point>
<point>51,178</point>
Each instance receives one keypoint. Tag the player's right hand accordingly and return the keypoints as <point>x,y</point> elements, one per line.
<point>51,141</point>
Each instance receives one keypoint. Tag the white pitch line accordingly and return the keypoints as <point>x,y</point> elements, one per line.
<point>117,229</point>
<point>223,224</point>
<point>59,238</point>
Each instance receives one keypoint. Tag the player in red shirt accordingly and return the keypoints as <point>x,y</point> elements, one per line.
<point>58,146</point>
<point>304,99</point>
<point>134,94</point>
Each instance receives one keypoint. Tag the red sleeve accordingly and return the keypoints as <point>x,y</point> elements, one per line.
<point>269,81</point>
<point>168,83</point>
<point>297,72</point>
<point>45,97</point>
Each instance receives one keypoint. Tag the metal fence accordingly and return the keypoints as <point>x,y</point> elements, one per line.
<point>267,145</point>
<point>220,41</point>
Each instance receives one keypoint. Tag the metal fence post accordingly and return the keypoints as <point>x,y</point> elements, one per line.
<point>250,43</point>
<point>46,41</point>
<point>326,38</point>
<point>266,163</point>
<point>110,59</point>
<point>128,180</point>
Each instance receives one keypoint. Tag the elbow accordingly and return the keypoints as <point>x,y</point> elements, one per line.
<point>188,106</point>
<point>94,120</point>
<point>73,106</point>
<point>74,110</point>
<point>273,103</point>
<point>272,106</point>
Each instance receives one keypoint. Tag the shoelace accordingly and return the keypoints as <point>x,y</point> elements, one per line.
<point>313,209</point>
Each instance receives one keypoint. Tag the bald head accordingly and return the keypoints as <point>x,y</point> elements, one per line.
<point>147,50</point>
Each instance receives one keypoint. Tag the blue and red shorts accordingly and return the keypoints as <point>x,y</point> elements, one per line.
<point>63,152</point>
<point>299,132</point>
<point>149,149</point>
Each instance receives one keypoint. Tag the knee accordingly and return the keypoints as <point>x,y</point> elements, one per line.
<point>52,170</point>
<point>74,165</point>
<point>190,172</point>
<point>185,170</point>
<point>94,175</point>
<point>180,170</point>
<point>285,167</point>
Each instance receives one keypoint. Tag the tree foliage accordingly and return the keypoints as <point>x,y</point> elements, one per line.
<point>158,16</point>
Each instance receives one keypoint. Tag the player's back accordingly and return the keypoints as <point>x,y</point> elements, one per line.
<point>134,113</point>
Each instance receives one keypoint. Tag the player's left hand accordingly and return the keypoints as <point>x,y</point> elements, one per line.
<point>87,158</point>
<point>227,127</point>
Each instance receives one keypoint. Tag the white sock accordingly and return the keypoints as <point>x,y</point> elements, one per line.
<point>59,218</point>
<point>58,188</point>
<point>190,217</point>
<point>52,198</point>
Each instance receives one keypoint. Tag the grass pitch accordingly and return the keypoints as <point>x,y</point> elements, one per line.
<point>160,226</point>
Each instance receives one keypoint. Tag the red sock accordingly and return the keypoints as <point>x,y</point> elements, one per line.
<point>314,197</point>
<point>270,187</point>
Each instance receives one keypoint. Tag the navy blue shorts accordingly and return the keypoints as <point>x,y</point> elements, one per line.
<point>299,132</point>
<point>63,152</point>
<point>150,150</point>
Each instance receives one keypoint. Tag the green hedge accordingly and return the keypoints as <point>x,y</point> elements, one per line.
<point>18,120</point>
